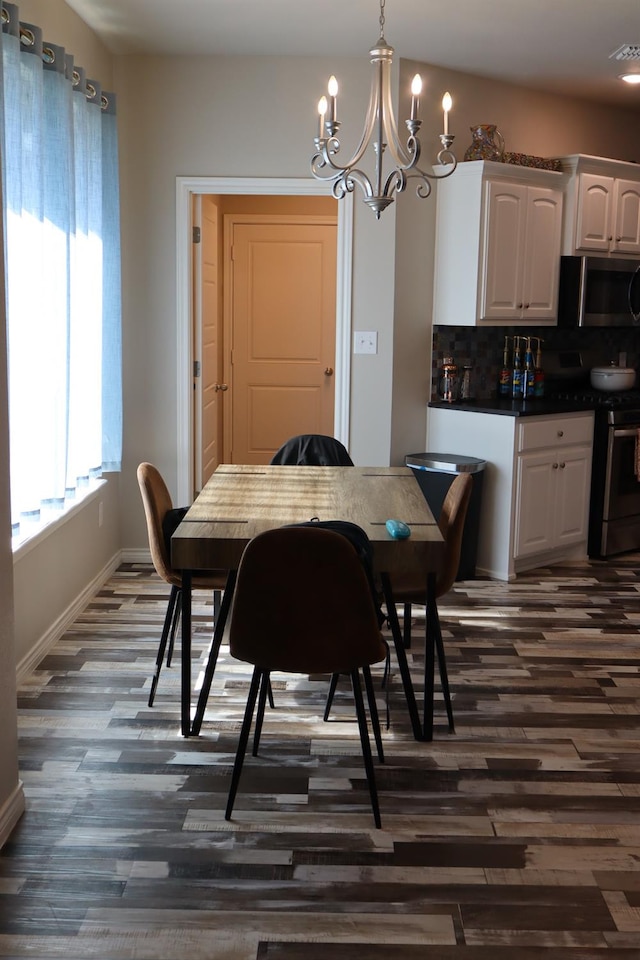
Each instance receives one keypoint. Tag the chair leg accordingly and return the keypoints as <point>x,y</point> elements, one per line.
<point>406,625</point>
<point>244,739</point>
<point>442,667</point>
<point>373,712</point>
<point>169,620</point>
<point>366,746</point>
<point>330,695</point>
<point>270,694</point>
<point>174,626</point>
<point>265,687</point>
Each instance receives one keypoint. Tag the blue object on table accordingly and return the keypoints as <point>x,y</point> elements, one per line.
<point>398,530</point>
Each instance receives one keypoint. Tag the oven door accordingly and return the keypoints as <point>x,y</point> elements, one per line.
<point>621,508</point>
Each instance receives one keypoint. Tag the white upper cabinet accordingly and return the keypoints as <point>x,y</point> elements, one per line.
<point>498,241</point>
<point>602,210</point>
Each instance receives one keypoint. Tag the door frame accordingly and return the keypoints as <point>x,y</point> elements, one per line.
<point>186,188</point>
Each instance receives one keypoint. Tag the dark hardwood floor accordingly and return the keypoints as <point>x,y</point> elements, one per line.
<point>516,838</point>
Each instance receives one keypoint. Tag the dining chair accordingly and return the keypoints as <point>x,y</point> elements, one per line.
<point>162,519</point>
<point>410,589</point>
<point>312,449</point>
<point>303,604</point>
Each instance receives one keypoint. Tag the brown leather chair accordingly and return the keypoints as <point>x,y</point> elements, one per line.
<point>303,604</point>
<point>158,508</point>
<point>411,589</point>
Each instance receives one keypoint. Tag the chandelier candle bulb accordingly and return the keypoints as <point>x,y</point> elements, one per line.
<point>447,103</point>
<point>322,109</point>
<point>416,90</point>
<point>332,90</point>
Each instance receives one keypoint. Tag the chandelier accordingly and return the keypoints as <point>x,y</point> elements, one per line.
<point>381,131</point>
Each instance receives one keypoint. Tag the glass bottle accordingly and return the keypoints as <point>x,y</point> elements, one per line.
<point>448,383</point>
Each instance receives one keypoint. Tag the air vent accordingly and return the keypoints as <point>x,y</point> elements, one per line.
<point>628,51</point>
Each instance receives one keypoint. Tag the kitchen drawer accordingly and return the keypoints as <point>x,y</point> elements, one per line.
<point>559,431</point>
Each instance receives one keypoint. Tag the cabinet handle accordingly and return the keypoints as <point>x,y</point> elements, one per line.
<point>618,239</point>
<point>610,239</point>
<point>328,371</point>
<point>555,466</point>
<point>562,466</point>
<point>520,306</point>
<point>561,433</point>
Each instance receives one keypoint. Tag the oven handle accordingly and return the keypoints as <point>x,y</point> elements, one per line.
<point>633,432</point>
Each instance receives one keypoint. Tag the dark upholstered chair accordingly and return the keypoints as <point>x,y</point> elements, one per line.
<point>159,513</point>
<point>411,589</point>
<point>313,449</point>
<point>303,604</point>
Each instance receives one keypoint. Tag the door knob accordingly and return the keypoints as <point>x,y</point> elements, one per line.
<point>220,387</point>
<point>328,371</point>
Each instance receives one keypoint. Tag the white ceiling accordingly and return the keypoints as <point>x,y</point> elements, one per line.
<point>557,45</point>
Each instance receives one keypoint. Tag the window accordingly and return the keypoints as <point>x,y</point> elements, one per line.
<point>62,262</point>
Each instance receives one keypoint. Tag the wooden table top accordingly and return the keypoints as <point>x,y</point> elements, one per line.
<point>238,502</point>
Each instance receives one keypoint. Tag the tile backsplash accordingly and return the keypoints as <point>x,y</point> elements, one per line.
<point>482,347</point>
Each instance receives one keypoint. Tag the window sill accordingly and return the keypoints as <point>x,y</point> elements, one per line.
<point>38,532</point>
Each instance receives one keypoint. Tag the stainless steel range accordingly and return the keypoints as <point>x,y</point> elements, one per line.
<point>614,515</point>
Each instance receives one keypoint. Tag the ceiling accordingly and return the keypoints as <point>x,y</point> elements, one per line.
<point>556,45</point>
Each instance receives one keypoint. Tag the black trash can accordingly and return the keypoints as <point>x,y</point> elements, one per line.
<point>435,472</point>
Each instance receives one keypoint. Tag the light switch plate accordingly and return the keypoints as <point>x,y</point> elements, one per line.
<point>365,341</point>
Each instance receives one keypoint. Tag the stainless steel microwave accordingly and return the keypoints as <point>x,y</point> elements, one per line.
<point>599,292</point>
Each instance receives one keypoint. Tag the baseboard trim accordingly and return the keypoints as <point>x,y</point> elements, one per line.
<point>135,555</point>
<point>66,618</point>
<point>11,812</point>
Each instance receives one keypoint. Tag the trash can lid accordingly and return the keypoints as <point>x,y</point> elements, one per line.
<point>445,462</point>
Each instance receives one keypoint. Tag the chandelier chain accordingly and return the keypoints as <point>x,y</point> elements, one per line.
<point>382,3</point>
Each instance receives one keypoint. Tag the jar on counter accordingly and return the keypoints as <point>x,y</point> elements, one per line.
<point>448,384</point>
<point>466,387</point>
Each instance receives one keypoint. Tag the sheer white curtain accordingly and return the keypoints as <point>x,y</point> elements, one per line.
<point>61,222</point>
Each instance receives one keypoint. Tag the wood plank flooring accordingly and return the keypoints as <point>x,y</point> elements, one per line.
<point>516,838</point>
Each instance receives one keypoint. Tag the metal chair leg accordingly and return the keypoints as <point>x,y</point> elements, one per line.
<point>174,626</point>
<point>442,667</point>
<point>244,739</point>
<point>168,627</point>
<point>265,686</point>
<point>366,746</point>
<point>373,712</point>
<point>406,625</point>
<point>330,695</point>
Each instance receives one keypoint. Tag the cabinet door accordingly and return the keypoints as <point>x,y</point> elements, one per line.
<point>503,267</point>
<point>535,503</point>
<point>595,200</point>
<point>572,500</point>
<point>626,206</point>
<point>541,260</point>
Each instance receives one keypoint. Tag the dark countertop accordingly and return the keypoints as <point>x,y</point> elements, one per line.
<point>540,407</point>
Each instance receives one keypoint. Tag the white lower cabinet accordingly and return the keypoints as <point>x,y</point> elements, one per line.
<point>552,485</point>
<point>535,497</point>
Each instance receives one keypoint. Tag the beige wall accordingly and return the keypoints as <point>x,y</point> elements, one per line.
<point>256,117</point>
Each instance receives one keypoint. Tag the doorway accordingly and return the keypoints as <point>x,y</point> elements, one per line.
<point>264,325</point>
<point>187,190</point>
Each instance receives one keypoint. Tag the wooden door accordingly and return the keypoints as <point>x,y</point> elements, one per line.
<point>280,309</point>
<point>210,429</point>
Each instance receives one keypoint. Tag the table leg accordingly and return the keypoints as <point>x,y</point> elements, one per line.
<point>186,654</point>
<point>218,632</point>
<point>398,643</point>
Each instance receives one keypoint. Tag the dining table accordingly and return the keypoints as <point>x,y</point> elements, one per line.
<point>238,502</point>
